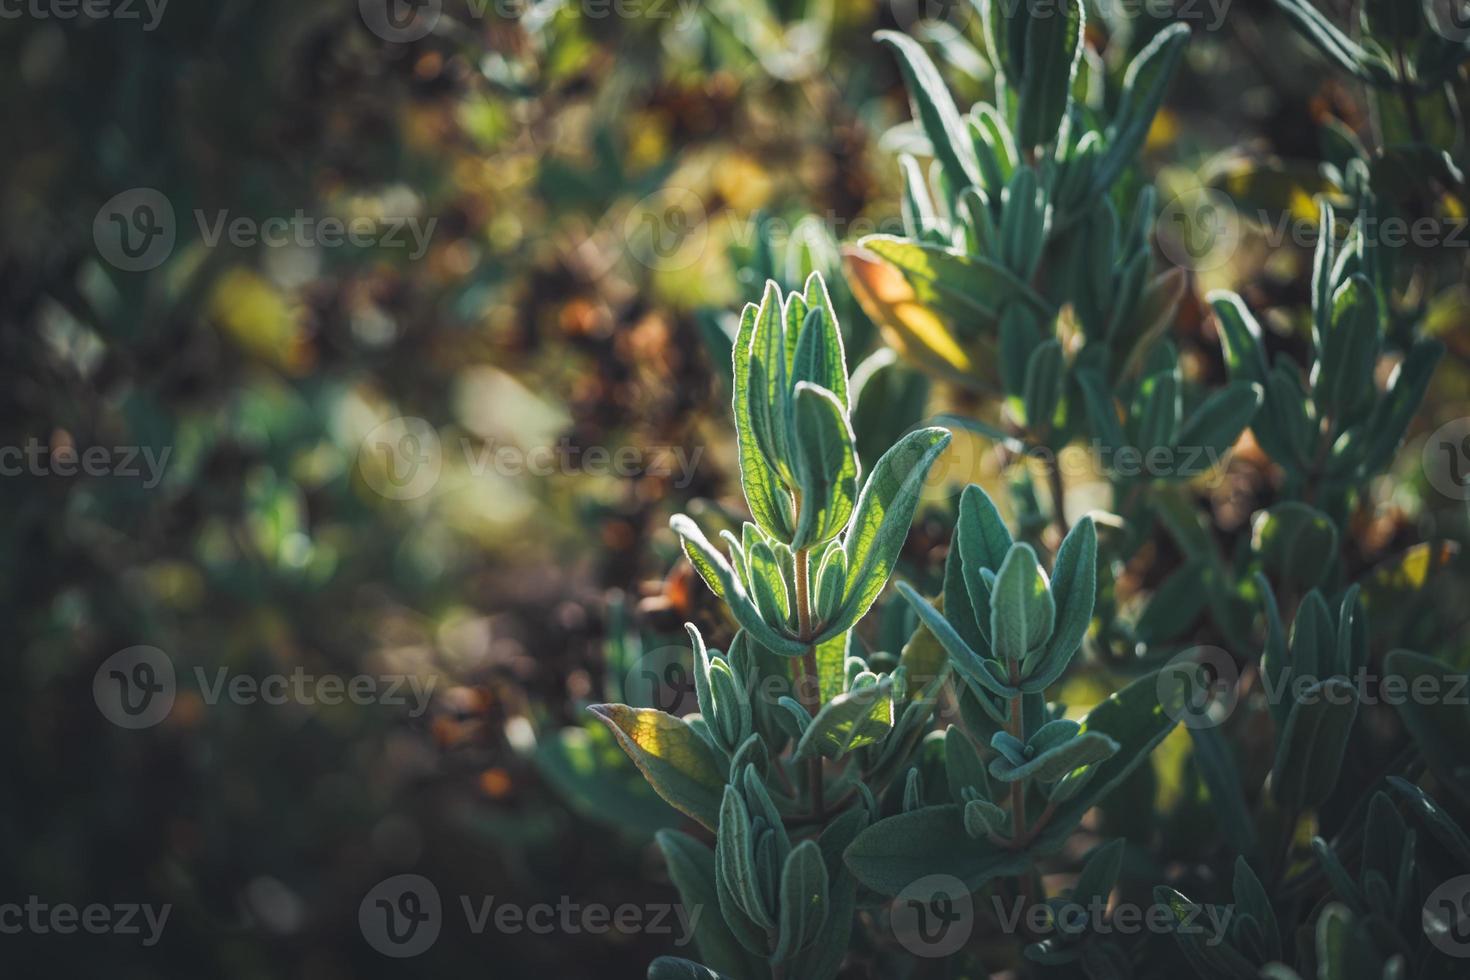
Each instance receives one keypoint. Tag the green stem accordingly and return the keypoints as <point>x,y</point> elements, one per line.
<point>811,686</point>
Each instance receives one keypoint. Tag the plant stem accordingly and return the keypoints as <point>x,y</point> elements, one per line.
<point>1058,494</point>
<point>811,687</point>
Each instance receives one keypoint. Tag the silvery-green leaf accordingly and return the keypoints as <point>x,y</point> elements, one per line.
<point>935,110</point>
<point>707,560</point>
<point>849,721</point>
<point>741,901</point>
<point>678,764</point>
<point>1022,611</point>
<point>1144,85</point>
<point>1042,393</point>
<point>803,902</point>
<point>1085,749</point>
<point>881,520</point>
<point>1053,47</point>
<point>983,818</point>
<point>767,499</point>
<point>820,358</point>
<point>1347,352</point>
<point>692,869</point>
<point>1310,748</point>
<point>1217,424</point>
<point>963,765</point>
<point>1297,542</point>
<point>826,466</point>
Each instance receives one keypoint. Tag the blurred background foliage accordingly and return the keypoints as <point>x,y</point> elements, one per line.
<point>605,191</point>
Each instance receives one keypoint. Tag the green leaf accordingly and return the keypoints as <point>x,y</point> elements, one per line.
<point>1022,610</point>
<point>1394,412</point>
<point>678,764</point>
<point>1053,49</point>
<point>1441,826</point>
<point>849,721</point>
<point>1043,389</point>
<point>826,465</point>
<point>1074,587</point>
<point>1054,763</point>
<point>1439,723</point>
<point>963,765</point>
<point>1348,352</point>
<point>769,504</point>
<point>1240,337</point>
<point>1217,424</point>
<point>673,968</point>
<point>1297,542</point>
<point>881,520</point>
<point>1144,85</point>
<point>1208,953</point>
<point>1156,412</point>
<point>1337,46</point>
<point>957,287</point>
<point>803,900</point>
<point>1099,875</point>
<point>692,870</point>
<point>820,357</point>
<point>1251,899</point>
<point>889,399</point>
<point>935,110</point>
<point>1216,766</point>
<point>710,561</point>
<point>1310,749</point>
<point>891,854</point>
<point>1132,717</point>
